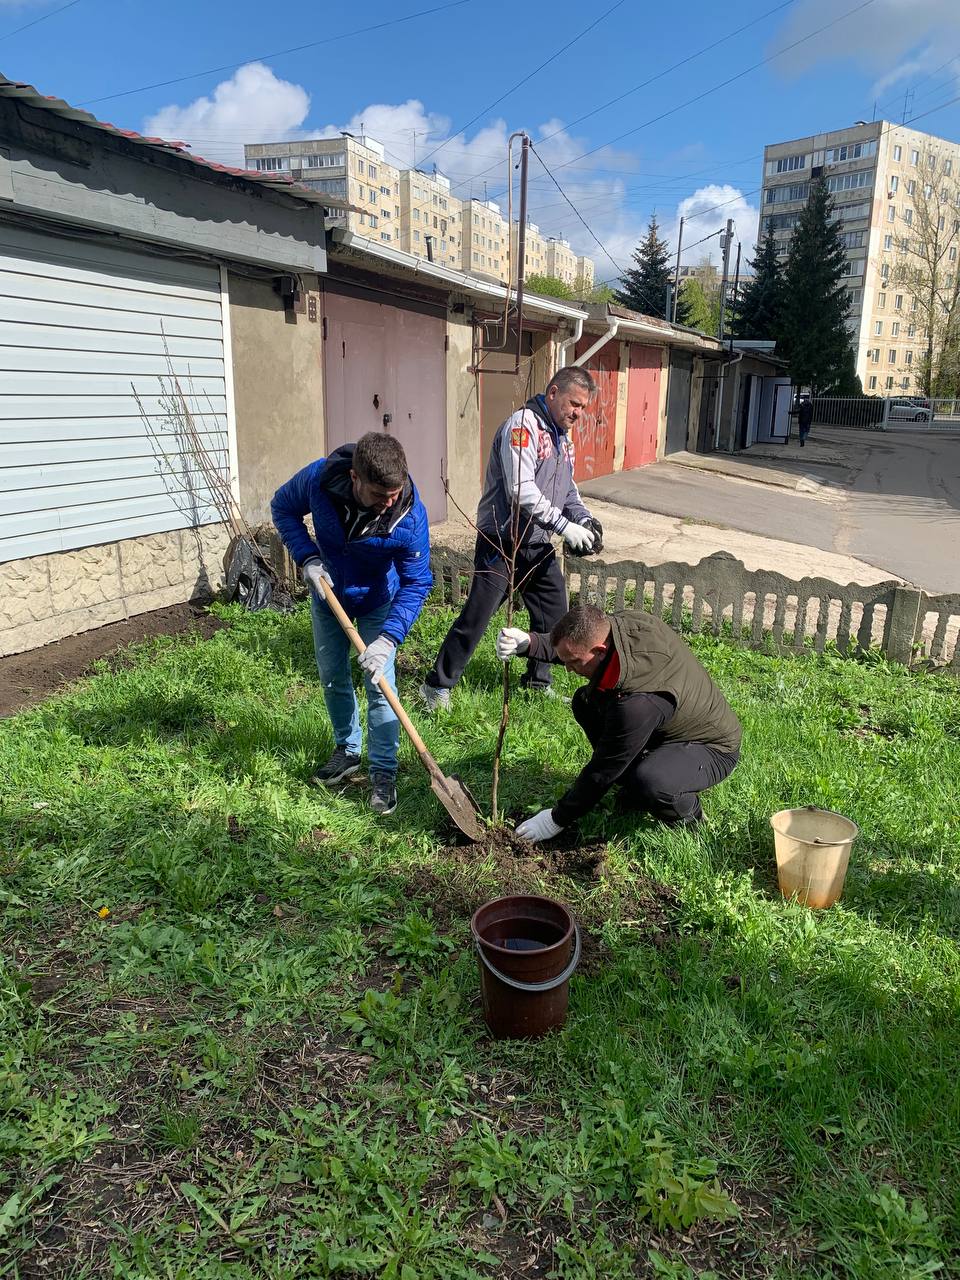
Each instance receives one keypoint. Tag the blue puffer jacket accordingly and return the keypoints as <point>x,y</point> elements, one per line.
<point>367,572</point>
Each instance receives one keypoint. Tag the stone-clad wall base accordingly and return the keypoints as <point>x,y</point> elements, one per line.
<point>44,598</point>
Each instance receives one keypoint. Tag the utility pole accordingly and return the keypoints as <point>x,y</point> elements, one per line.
<point>676,274</point>
<point>726,242</point>
<point>736,287</point>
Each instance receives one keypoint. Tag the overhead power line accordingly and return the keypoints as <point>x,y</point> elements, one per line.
<point>280,53</point>
<point>43,18</point>
<point>536,71</point>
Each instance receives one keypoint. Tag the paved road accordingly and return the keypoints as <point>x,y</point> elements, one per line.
<point>901,512</point>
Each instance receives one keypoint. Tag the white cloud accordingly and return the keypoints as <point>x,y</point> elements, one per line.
<point>874,37</point>
<point>252,106</point>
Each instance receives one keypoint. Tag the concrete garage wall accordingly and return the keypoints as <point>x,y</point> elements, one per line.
<point>464,461</point>
<point>48,597</point>
<point>277,387</point>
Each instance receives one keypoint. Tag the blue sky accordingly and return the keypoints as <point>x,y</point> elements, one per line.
<point>419,82</point>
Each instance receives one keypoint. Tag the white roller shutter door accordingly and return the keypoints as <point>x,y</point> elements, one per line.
<point>84,325</point>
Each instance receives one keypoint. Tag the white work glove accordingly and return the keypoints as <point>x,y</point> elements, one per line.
<point>578,538</point>
<point>540,827</point>
<point>511,643</point>
<point>314,573</point>
<point>376,656</point>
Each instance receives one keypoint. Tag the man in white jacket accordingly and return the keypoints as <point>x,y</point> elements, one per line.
<point>531,463</point>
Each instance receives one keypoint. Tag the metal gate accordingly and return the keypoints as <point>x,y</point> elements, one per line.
<point>596,435</point>
<point>384,369</point>
<point>643,406</point>
<point>678,401</point>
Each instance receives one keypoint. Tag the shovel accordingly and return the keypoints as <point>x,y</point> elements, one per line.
<point>450,791</point>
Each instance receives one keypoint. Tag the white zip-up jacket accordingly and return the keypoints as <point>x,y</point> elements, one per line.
<point>532,459</point>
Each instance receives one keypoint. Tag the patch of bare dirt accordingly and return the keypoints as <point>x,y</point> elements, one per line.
<point>28,678</point>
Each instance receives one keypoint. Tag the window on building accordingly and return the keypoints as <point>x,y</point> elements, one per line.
<point>850,181</point>
<point>941,223</point>
<point>898,302</point>
<point>371,170</point>
<point>361,167</point>
<point>384,191</point>
<point>787,193</point>
<point>384,235</point>
<point>908,357</point>
<point>855,297</point>
<point>363,219</point>
<point>905,382</point>
<point>931,161</point>
<point>908,217</point>
<point>952,255</point>
<point>853,239</point>
<point>911,330</point>
<point>874,355</point>
<point>374,220</point>
<point>911,188</point>
<point>888,242</point>
<point>947,168</point>
<point>384,213</point>
<point>914,304</point>
<point>892,356</point>
<point>885,271</point>
<point>891,213</point>
<point>872,384</point>
<point>877,328</point>
<point>895,329</point>
<point>269,164</point>
<point>852,151</point>
<point>894,185</point>
<point>416,215</point>
<point>787,164</point>
<point>881,300</point>
<point>416,237</point>
<point>927,190</point>
<point>914,157</point>
<point>897,154</point>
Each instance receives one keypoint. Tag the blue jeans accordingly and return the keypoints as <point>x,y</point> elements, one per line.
<point>333,651</point>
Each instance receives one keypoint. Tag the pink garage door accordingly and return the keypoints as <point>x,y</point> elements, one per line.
<point>596,436</point>
<point>385,370</point>
<point>643,406</point>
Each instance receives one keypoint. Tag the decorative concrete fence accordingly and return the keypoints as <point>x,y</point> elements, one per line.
<point>758,608</point>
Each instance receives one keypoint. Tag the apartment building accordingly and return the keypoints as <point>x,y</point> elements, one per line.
<point>561,260</point>
<point>585,271</point>
<point>412,210</point>
<point>485,239</point>
<point>428,218</point>
<point>875,173</point>
<point>353,168</point>
<point>534,250</point>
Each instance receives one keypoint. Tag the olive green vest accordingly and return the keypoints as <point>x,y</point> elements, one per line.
<point>654,659</point>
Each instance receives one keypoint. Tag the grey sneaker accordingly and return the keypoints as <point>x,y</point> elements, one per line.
<point>340,765</point>
<point>546,691</point>
<point>435,699</point>
<point>383,793</point>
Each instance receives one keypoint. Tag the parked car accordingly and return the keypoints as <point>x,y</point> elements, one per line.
<point>909,409</point>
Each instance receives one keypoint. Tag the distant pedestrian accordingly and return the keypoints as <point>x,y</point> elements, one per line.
<point>531,462</point>
<point>804,418</point>
<point>372,544</point>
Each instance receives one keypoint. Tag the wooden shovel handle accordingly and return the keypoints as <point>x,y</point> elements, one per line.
<point>353,635</point>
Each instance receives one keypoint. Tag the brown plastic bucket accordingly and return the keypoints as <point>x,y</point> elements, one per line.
<point>813,851</point>
<point>527,948</point>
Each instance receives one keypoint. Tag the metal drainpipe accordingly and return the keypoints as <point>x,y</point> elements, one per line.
<point>572,341</point>
<point>612,327</point>
<point>724,366</point>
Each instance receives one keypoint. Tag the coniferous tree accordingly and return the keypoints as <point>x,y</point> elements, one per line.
<point>643,287</point>
<point>759,309</point>
<point>815,339</point>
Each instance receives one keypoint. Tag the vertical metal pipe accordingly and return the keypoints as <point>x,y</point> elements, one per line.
<point>522,243</point>
<point>676,275</point>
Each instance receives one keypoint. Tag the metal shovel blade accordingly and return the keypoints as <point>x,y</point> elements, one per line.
<point>459,803</point>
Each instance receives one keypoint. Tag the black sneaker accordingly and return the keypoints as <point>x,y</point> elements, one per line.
<point>340,765</point>
<point>383,793</point>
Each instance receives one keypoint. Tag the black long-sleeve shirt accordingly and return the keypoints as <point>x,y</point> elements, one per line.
<point>618,725</point>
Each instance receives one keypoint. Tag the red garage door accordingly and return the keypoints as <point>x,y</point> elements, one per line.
<point>385,370</point>
<point>596,435</point>
<point>643,406</point>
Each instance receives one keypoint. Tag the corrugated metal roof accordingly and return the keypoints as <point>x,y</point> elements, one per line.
<point>26,93</point>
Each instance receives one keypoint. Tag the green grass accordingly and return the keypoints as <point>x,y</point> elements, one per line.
<point>239,1022</point>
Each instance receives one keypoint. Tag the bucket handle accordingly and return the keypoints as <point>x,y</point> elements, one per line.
<point>551,983</point>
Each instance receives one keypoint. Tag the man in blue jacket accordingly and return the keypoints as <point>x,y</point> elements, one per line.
<point>529,478</point>
<point>371,542</point>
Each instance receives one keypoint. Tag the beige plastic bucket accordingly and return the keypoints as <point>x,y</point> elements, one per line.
<point>813,850</point>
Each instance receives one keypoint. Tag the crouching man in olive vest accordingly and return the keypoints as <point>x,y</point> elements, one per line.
<point>660,728</point>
